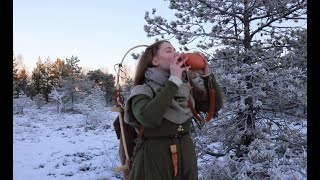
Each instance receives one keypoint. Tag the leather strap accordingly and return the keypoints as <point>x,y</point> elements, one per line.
<point>141,131</point>
<point>174,157</point>
<point>211,112</point>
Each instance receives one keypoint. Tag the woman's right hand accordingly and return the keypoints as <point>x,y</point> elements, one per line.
<point>177,66</point>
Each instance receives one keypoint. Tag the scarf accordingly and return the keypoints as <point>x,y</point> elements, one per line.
<point>178,112</point>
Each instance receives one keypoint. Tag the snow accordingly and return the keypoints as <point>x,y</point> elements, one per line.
<point>67,145</point>
<point>48,145</point>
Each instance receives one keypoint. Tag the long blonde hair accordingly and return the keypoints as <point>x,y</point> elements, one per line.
<point>145,61</point>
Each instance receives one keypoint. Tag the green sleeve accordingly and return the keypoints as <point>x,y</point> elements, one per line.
<point>149,111</point>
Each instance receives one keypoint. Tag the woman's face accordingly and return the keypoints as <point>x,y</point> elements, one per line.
<point>166,53</point>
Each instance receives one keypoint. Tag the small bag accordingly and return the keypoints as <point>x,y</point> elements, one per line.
<point>212,95</point>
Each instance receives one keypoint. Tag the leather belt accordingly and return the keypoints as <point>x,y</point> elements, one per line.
<point>175,136</point>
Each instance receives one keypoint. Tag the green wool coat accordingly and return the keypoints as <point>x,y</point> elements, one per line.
<point>153,158</point>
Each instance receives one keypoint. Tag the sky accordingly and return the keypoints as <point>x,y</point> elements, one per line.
<point>98,32</point>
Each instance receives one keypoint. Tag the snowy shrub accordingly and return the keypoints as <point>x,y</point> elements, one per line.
<point>20,103</point>
<point>57,96</point>
<point>91,107</point>
<point>263,161</point>
<point>40,101</point>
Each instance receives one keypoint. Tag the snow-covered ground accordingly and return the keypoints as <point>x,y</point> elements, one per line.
<point>83,146</point>
<point>48,145</point>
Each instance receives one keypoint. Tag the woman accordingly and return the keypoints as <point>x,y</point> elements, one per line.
<point>159,103</point>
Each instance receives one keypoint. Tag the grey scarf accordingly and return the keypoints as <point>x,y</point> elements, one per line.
<point>178,112</point>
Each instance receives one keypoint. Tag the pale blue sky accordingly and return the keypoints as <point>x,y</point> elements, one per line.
<point>99,32</point>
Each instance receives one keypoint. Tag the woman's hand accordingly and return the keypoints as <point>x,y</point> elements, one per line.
<point>177,66</point>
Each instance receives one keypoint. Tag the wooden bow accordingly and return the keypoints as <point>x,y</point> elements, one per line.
<point>119,108</point>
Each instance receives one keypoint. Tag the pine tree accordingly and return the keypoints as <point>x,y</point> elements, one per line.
<point>252,47</point>
<point>15,83</point>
